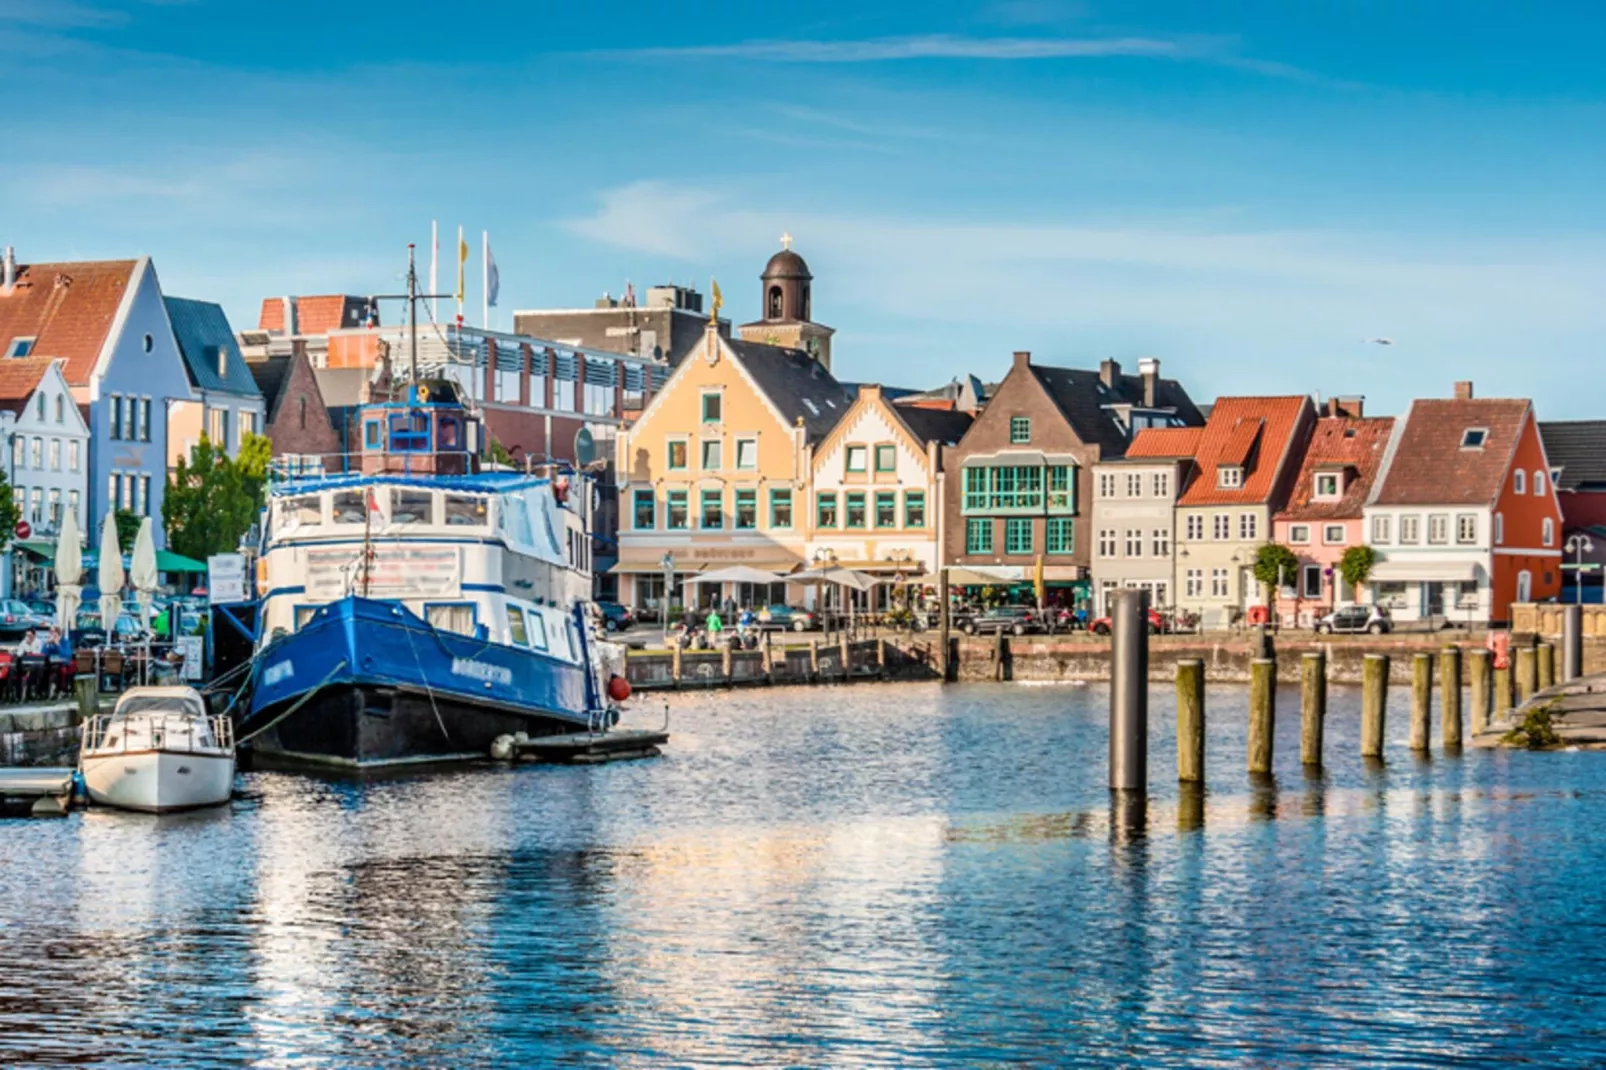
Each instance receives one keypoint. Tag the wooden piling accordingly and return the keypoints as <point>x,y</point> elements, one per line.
<point>769,660</point>
<point>1421,700</point>
<point>881,654</point>
<point>1450,697</point>
<point>1190,721</point>
<point>1000,654</point>
<point>1547,665</point>
<point>1262,713</point>
<point>847,657</point>
<point>85,689</point>
<point>674,663</point>
<point>944,626</point>
<point>1312,706</point>
<point>1480,689</point>
<point>1502,691</point>
<point>1527,672</point>
<point>814,659</point>
<point>726,662</point>
<point>1374,703</point>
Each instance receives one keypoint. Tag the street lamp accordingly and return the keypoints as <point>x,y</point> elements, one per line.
<point>1578,545</point>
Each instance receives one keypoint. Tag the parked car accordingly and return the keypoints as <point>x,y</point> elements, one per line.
<point>1373,620</point>
<point>41,607</point>
<point>1017,620</point>
<point>785,618</point>
<point>1157,624</point>
<point>615,617</point>
<point>16,618</point>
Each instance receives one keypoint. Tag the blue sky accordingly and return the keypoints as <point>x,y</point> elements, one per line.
<point>1246,190</point>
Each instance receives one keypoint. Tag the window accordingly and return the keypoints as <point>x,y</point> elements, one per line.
<point>465,511</point>
<point>713,454</point>
<point>1134,484</point>
<point>55,454</point>
<point>713,509</point>
<point>746,509</point>
<point>677,455</point>
<point>1473,438</point>
<point>563,395</point>
<point>537,625</point>
<point>1221,526</point>
<point>1410,529</point>
<point>515,627</point>
<point>1020,429</point>
<point>1310,577</point>
<point>1229,476</point>
<point>216,429</point>
<point>20,347</point>
<point>1134,542</point>
<point>1007,488</point>
<point>1547,531</point>
<point>36,452</point>
<point>36,506</point>
<point>886,458</point>
<point>409,505</point>
<point>114,410</point>
<point>1218,583</point>
<point>19,451</point>
<point>1018,535</point>
<point>1466,528</point>
<point>1539,478</point>
<point>349,507</point>
<point>713,407</point>
<point>371,438</point>
<point>113,484</point>
<point>978,536</point>
<point>1061,489</point>
<point>1333,534</point>
<point>1499,529</point>
<point>53,516</point>
<point>1106,484</point>
<point>886,508</point>
<point>143,508</point>
<point>825,510</point>
<point>676,511</point>
<point>1107,542</point>
<point>914,508</point>
<point>144,419</point>
<point>644,514</point>
<point>1380,529</point>
<point>125,494</point>
<point>1439,528</point>
<point>856,458</point>
<point>248,423</point>
<point>1061,535</point>
<point>301,411</point>
<point>780,507</point>
<point>61,409</point>
<point>1519,482</point>
<point>1248,526</point>
<point>1195,527</point>
<point>1160,539</point>
<point>72,504</point>
<point>39,406</point>
<point>747,453</point>
<point>1299,534</point>
<point>1193,583</point>
<point>73,449</point>
<point>1328,485</point>
<point>1162,484</point>
<point>457,617</point>
<point>853,508</point>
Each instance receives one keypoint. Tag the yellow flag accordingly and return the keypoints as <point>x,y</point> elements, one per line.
<point>462,258</point>
<point>719,298</point>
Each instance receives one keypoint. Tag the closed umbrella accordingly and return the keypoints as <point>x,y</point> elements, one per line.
<point>110,575</point>
<point>144,571</point>
<point>69,570</point>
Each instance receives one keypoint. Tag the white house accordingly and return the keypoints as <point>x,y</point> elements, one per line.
<point>47,462</point>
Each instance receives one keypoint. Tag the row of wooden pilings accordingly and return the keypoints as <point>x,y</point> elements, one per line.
<point>1489,692</point>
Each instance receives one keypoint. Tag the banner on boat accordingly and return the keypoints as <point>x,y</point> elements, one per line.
<point>393,572</point>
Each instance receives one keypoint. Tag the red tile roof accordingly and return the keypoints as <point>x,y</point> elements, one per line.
<point>1356,446</point>
<point>1268,425</point>
<point>19,378</point>
<point>1428,464</point>
<point>1165,442</point>
<point>314,315</point>
<point>68,307</point>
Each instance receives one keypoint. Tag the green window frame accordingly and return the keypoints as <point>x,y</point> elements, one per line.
<point>886,508</point>
<point>1008,488</point>
<point>1020,430</point>
<point>886,458</point>
<point>711,514</point>
<point>713,406</point>
<point>780,507</point>
<point>855,458</point>
<point>676,511</point>
<point>914,509</point>
<point>825,515</point>
<point>853,509</point>
<point>746,509</point>
<point>679,451</point>
<point>1061,488</point>
<point>979,535</point>
<point>644,511</point>
<point>1061,535</point>
<point>1018,535</point>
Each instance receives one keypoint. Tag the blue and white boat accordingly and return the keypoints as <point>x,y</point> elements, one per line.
<point>417,608</point>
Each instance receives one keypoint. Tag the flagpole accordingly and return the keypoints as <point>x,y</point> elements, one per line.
<point>434,259</point>
<point>485,275</point>
<point>462,254</point>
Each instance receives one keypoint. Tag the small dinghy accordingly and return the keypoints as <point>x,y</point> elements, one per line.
<point>158,751</point>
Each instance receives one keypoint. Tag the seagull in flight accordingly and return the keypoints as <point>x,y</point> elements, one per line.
<point>1377,341</point>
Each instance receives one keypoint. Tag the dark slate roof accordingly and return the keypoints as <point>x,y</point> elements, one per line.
<point>796,384</point>
<point>202,330</point>
<point>1082,396</point>
<point>271,373</point>
<point>946,426</point>
<point>1578,449</point>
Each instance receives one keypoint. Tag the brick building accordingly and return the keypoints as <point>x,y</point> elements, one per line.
<point>297,419</point>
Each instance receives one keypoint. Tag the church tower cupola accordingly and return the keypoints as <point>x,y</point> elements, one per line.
<point>787,307</point>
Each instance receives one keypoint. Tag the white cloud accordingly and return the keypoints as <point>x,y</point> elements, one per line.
<point>948,46</point>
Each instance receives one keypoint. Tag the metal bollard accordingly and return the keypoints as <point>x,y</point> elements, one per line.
<point>1129,691</point>
<point>1572,642</point>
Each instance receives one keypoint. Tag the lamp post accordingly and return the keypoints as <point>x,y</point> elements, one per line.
<point>1578,544</point>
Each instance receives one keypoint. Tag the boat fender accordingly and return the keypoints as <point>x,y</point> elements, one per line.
<point>521,737</point>
<point>502,748</point>
<point>618,688</point>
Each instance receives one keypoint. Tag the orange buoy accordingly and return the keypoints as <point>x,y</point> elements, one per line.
<point>618,688</point>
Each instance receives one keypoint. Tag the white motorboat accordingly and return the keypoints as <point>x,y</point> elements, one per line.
<point>158,751</point>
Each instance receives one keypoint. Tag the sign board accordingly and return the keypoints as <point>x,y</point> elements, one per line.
<point>193,647</point>
<point>225,579</point>
<point>393,572</point>
<point>24,529</point>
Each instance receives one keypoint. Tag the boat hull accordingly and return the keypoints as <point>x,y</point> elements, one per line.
<point>159,782</point>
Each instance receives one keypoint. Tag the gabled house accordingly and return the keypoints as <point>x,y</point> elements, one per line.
<point>1576,450</point>
<point>1243,472</point>
<point>1465,518</point>
<point>1015,483</point>
<point>1324,514</point>
<point>108,325</point>
<point>47,463</point>
<point>298,422</point>
<point>1134,514</point>
<point>228,404</point>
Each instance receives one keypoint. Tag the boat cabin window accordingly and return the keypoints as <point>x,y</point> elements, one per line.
<point>537,632</point>
<point>449,439</point>
<point>515,626</point>
<point>371,437</point>
<point>303,615</point>
<point>409,432</point>
<point>307,509</point>
<point>412,506</point>
<point>349,506</point>
<point>182,705</point>
<point>466,510</point>
<point>455,617</point>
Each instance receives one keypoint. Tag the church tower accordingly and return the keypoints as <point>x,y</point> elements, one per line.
<point>787,307</point>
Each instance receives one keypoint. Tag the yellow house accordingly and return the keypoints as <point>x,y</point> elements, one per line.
<point>715,472</point>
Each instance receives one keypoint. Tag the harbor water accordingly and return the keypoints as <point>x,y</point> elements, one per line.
<point>845,876</point>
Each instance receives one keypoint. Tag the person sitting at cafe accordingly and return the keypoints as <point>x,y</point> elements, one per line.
<point>58,646</point>
<point>30,644</point>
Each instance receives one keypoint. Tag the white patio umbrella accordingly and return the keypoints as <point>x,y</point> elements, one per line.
<point>110,575</point>
<point>734,574</point>
<point>69,570</point>
<point>144,575</point>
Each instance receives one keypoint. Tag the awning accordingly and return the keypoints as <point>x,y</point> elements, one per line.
<point>44,549</point>
<point>166,561</point>
<point>1408,571</point>
<point>692,568</point>
<point>984,575</point>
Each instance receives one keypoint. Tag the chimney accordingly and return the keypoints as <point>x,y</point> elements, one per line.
<point>1023,358</point>
<point>1149,368</point>
<point>1463,390</point>
<point>8,271</point>
<point>1109,373</point>
<point>290,324</point>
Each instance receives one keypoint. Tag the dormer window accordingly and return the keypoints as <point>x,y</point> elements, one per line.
<point>20,347</point>
<point>1473,438</point>
<point>1230,476</point>
<point>1329,486</point>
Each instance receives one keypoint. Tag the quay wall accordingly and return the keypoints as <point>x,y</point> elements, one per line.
<point>39,735</point>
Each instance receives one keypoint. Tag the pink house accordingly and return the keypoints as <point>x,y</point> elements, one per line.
<point>1323,517</point>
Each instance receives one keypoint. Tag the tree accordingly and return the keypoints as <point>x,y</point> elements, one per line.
<point>1356,565</point>
<point>10,513</point>
<point>127,522</point>
<point>1275,565</point>
<point>213,499</point>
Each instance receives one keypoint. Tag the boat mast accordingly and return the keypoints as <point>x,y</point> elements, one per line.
<point>412,307</point>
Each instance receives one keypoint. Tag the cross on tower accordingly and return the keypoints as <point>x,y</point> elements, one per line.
<point>786,241</point>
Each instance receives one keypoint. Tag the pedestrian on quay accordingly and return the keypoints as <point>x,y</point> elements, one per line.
<point>714,626</point>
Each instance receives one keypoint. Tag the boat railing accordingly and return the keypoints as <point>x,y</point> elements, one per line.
<point>158,731</point>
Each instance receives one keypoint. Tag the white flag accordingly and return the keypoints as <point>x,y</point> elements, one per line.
<point>493,278</point>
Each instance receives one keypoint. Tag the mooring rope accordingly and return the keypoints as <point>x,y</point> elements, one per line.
<point>300,702</point>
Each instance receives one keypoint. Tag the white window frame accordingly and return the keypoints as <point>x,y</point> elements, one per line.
<point>1410,529</point>
<point>1466,528</point>
<point>1547,531</point>
<point>1382,533</point>
<point>1162,484</point>
<point>1229,476</point>
<point>1134,484</point>
<point>1438,529</point>
<point>1335,493</point>
<point>1194,579</point>
<point>1299,534</point>
<point>1248,526</point>
<point>1221,527</point>
<point>1219,587</point>
<point>1329,538</point>
<point>1539,482</point>
<point>1519,481</point>
<point>1160,540</point>
<point>1134,542</point>
<point>1195,527</point>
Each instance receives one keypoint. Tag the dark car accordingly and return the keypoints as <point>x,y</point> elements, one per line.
<point>615,617</point>
<point>1017,620</point>
<point>785,618</point>
<point>1103,625</point>
<point>1374,620</point>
